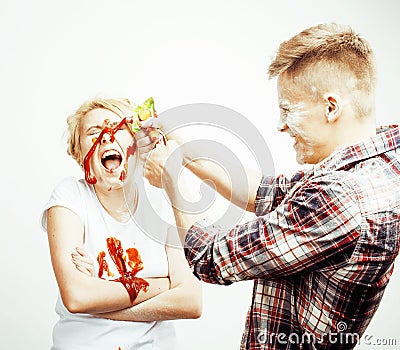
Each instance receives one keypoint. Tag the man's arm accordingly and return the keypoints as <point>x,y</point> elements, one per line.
<point>318,221</point>
<point>234,182</point>
<point>162,169</point>
<point>319,224</point>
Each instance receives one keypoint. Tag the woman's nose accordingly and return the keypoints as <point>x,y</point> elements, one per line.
<point>106,138</point>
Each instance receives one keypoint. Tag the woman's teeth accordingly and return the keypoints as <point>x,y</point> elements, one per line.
<point>111,159</point>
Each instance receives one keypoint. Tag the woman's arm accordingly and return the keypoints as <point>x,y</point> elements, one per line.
<point>183,300</point>
<point>82,293</point>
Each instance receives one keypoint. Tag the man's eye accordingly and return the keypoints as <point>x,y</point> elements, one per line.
<point>284,111</point>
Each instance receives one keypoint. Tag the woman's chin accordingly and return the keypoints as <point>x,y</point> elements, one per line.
<point>111,180</point>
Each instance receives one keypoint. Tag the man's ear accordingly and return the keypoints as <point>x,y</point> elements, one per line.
<point>334,107</point>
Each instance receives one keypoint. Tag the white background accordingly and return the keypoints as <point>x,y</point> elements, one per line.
<point>55,54</point>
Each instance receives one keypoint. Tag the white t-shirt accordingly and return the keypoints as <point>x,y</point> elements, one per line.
<point>147,233</point>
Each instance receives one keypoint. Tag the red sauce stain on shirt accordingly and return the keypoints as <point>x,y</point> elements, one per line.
<point>132,284</point>
<point>103,265</point>
<point>135,261</point>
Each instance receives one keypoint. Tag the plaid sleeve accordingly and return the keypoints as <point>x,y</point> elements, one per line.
<point>272,191</point>
<point>320,220</point>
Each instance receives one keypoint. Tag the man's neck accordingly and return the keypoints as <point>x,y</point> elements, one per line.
<point>355,132</point>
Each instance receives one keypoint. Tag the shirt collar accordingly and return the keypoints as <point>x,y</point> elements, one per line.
<point>386,139</point>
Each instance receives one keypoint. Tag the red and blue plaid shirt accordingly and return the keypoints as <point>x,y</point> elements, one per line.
<point>320,251</point>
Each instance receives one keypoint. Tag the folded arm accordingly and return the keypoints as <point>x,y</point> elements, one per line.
<point>182,300</point>
<point>82,293</point>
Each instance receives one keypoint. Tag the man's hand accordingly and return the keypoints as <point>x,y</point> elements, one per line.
<point>154,131</point>
<point>163,165</point>
<point>145,144</point>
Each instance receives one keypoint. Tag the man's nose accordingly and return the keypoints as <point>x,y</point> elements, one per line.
<point>282,126</point>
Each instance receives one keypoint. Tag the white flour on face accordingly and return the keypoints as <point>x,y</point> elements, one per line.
<point>292,116</point>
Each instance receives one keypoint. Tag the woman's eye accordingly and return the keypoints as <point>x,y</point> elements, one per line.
<point>123,127</point>
<point>94,132</point>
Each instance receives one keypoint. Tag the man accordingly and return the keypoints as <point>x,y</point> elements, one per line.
<point>322,247</point>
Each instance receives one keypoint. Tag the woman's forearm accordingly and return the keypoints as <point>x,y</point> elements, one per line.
<point>184,301</point>
<point>97,295</point>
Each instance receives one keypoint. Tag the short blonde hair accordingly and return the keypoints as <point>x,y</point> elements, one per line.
<point>122,107</point>
<point>330,56</point>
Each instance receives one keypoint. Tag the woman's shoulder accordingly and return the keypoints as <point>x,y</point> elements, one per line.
<point>71,184</point>
<point>69,180</point>
<point>68,193</point>
<point>72,189</point>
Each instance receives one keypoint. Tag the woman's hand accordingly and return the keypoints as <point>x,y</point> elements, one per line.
<point>83,262</point>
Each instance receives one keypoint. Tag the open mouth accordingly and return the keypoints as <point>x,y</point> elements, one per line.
<point>111,160</point>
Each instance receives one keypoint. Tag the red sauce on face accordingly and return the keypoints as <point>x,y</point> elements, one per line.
<point>132,284</point>
<point>122,177</point>
<point>106,130</point>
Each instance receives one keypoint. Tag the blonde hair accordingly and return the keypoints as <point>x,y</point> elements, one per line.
<point>330,56</point>
<point>122,107</point>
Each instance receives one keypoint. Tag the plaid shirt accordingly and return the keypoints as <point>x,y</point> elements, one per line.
<point>320,251</point>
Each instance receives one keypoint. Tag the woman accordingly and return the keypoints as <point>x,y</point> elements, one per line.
<point>142,279</point>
